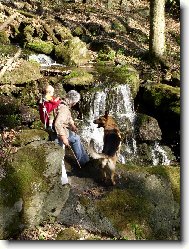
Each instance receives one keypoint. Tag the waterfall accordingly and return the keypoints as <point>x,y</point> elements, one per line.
<point>43,59</point>
<point>124,105</point>
<point>90,130</point>
<point>99,105</point>
<point>159,155</point>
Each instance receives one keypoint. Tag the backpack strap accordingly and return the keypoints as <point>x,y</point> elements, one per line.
<point>45,114</point>
<point>44,111</point>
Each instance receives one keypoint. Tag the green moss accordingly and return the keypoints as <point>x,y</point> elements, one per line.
<point>163,99</point>
<point>170,173</point>
<point>142,118</point>
<point>27,136</point>
<point>9,50</point>
<point>27,168</point>
<point>85,201</point>
<point>40,46</point>
<point>25,72</point>
<point>118,26</point>
<point>103,56</point>
<point>63,32</point>
<point>124,208</point>
<point>11,121</point>
<point>78,31</point>
<point>125,74</point>
<point>175,108</point>
<point>28,33</point>
<point>58,51</point>
<point>79,77</point>
<point>163,94</point>
<point>4,39</point>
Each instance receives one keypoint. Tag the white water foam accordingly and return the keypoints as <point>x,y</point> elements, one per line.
<point>159,155</point>
<point>43,60</point>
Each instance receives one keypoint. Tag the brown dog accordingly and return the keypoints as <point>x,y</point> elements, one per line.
<point>111,148</point>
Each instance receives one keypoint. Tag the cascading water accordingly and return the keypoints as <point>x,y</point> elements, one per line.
<point>44,60</point>
<point>90,130</point>
<point>159,156</point>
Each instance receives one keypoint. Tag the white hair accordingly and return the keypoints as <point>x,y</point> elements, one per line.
<point>73,96</point>
<point>49,89</point>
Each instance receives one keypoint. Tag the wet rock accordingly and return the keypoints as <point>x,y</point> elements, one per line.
<point>147,128</point>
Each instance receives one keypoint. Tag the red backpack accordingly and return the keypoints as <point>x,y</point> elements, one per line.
<point>45,107</point>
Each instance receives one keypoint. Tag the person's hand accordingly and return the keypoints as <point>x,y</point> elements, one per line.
<point>74,128</point>
<point>65,140</point>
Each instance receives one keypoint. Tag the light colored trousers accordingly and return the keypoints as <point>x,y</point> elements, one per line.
<point>79,151</point>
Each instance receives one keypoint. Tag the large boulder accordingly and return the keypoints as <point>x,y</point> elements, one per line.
<point>119,75</point>
<point>147,128</point>
<point>143,205</point>
<point>73,52</point>
<point>23,72</point>
<point>31,190</point>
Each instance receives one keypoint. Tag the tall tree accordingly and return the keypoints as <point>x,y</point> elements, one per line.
<point>157,28</point>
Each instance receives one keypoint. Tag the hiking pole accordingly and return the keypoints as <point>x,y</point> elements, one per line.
<point>75,156</point>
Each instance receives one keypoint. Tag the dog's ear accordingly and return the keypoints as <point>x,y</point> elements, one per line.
<point>106,114</point>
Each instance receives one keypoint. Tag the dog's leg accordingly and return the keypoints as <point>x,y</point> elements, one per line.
<point>111,165</point>
<point>104,162</point>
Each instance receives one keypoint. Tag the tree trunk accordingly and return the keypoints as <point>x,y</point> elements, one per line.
<point>157,28</point>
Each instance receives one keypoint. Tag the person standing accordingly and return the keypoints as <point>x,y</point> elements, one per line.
<point>66,130</point>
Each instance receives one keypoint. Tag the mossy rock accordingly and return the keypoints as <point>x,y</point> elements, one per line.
<point>73,52</point>
<point>9,111</point>
<point>79,31</point>
<point>162,97</point>
<point>31,192</point>
<point>30,94</point>
<point>79,77</point>
<point>122,74</point>
<point>39,46</point>
<point>63,32</point>
<point>27,136</point>
<point>147,128</point>
<point>124,219</point>
<point>26,71</point>
<point>8,50</point>
<point>28,33</point>
<point>146,209</point>
<point>106,54</point>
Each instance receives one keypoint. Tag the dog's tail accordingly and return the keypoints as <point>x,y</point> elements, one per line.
<point>93,153</point>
